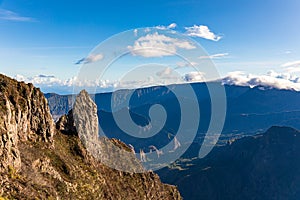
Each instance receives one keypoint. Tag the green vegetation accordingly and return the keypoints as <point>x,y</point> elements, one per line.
<point>12,173</point>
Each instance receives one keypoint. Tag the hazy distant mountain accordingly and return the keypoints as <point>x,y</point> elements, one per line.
<point>249,110</point>
<point>265,166</point>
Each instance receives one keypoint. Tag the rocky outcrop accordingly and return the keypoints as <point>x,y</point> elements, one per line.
<point>66,125</point>
<point>86,119</point>
<point>39,161</point>
<point>25,116</point>
<point>112,153</point>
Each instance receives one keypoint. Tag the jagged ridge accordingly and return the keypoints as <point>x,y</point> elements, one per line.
<point>39,161</point>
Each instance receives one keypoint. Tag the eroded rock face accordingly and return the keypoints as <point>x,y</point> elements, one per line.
<point>86,119</point>
<point>35,163</point>
<point>66,125</point>
<point>112,153</point>
<point>25,116</point>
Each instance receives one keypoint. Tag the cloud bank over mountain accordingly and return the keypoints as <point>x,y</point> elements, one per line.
<point>272,79</point>
<point>50,84</point>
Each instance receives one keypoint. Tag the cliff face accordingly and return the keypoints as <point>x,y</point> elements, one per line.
<point>39,160</point>
<point>25,116</point>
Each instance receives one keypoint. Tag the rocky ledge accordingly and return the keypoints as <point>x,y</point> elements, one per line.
<point>41,160</point>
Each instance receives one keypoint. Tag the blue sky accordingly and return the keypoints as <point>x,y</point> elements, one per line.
<point>48,37</point>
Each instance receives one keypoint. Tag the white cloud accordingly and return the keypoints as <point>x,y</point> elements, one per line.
<point>165,72</point>
<point>40,79</point>
<point>194,77</point>
<point>295,69</point>
<point>270,80</point>
<point>215,56</point>
<point>286,76</point>
<point>288,52</point>
<point>292,64</point>
<point>165,77</point>
<point>185,64</point>
<point>202,32</point>
<point>90,59</point>
<point>158,45</point>
<point>147,30</point>
<point>12,16</point>
<point>171,26</point>
<point>135,32</point>
<point>292,67</point>
<point>54,84</point>
<point>45,80</point>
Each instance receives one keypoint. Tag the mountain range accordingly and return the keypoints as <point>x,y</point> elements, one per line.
<point>264,166</point>
<point>251,160</point>
<point>249,110</point>
<point>44,159</point>
<point>245,105</point>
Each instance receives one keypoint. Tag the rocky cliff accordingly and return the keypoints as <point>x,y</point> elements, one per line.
<point>25,117</point>
<point>42,161</point>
